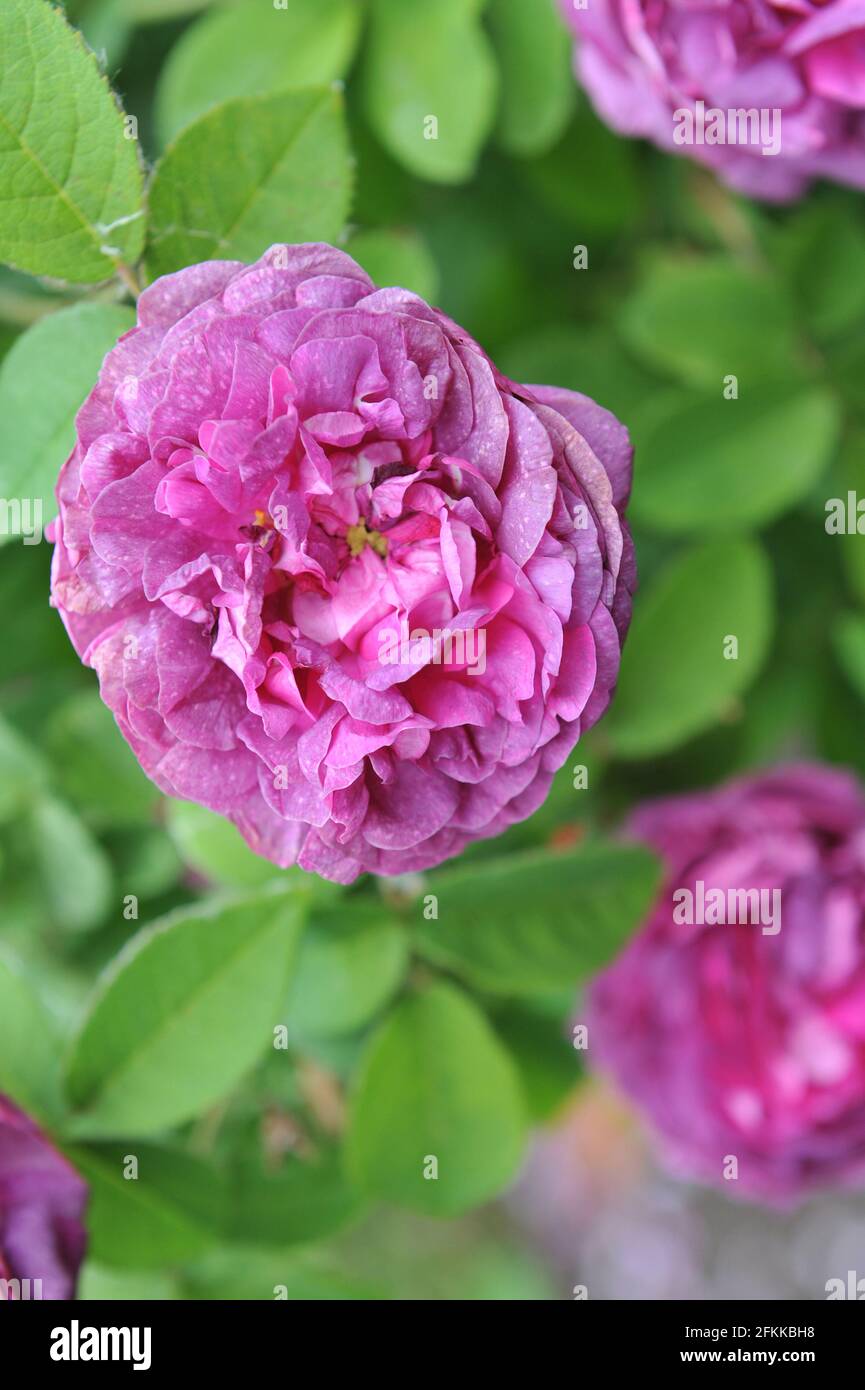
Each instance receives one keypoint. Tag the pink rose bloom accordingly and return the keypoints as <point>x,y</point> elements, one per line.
<point>643,61</point>
<point>746,1039</point>
<point>42,1202</point>
<point>341,581</point>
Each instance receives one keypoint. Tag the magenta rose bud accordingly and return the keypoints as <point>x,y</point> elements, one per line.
<point>42,1200</point>
<point>735,1019</point>
<point>341,580</point>
<point>768,93</point>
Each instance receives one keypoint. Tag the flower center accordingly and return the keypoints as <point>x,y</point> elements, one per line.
<point>358,536</point>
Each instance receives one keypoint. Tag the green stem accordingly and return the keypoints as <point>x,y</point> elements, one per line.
<point>129,278</point>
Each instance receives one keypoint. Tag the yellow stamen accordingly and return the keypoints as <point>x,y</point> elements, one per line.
<point>358,536</point>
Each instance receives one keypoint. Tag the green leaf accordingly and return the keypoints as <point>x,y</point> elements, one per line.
<point>215,847</point>
<point>300,1276</point>
<point>830,288</point>
<point>70,182</point>
<point>352,958</point>
<point>107,28</point>
<point>676,680</point>
<point>838,724</point>
<point>489,284</point>
<point>145,861</point>
<point>846,362</point>
<point>8,334</point>
<point>253,51</point>
<point>711,465</point>
<point>586,359</point>
<point>589,182</point>
<point>182,1015</point>
<point>173,1209</point>
<point>848,635</point>
<point>94,766</point>
<point>540,919</point>
<point>534,52</point>
<point>22,770</point>
<point>397,258</point>
<point>28,1046</point>
<point>101,1284</point>
<point>44,380</point>
<point>24,299</point>
<point>852,479</point>
<point>704,319</point>
<point>425,64</point>
<point>436,1085</point>
<point>303,1201</point>
<point>34,641</point>
<point>74,870</point>
<point>250,173</point>
<point>542,1049</point>
<point>780,705</point>
<point>154,11</point>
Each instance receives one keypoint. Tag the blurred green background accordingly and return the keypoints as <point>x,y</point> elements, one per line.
<point>729,338</point>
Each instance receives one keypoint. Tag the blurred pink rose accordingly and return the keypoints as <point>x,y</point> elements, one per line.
<point>650,65</point>
<point>42,1202</point>
<point>283,475</point>
<point>741,1039</point>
